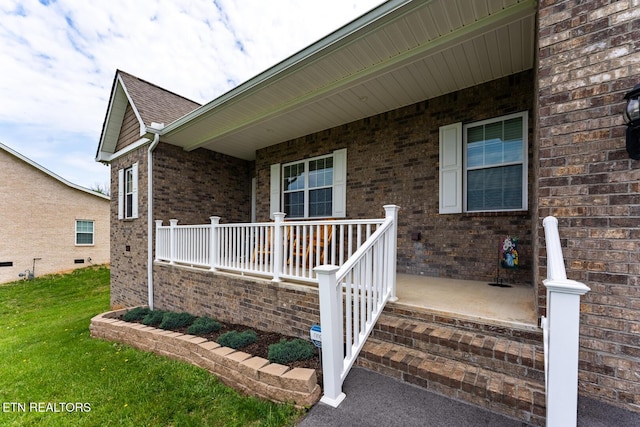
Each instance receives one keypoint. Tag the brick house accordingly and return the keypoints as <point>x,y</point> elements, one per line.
<point>49,225</point>
<point>404,106</point>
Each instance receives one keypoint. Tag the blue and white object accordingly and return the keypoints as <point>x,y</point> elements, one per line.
<point>315,333</point>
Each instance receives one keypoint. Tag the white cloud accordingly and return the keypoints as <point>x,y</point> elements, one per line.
<point>59,60</point>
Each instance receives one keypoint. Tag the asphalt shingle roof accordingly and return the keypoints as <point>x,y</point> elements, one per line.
<point>154,103</point>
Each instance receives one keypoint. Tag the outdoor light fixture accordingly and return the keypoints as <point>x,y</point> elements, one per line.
<point>632,119</point>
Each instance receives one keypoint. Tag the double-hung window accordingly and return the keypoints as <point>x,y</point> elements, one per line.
<point>84,232</point>
<point>483,165</point>
<point>310,188</point>
<point>128,192</point>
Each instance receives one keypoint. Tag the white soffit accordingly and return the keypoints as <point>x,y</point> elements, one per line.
<point>398,54</point>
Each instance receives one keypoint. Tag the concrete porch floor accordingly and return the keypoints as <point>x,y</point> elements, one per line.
<point>469,299</point>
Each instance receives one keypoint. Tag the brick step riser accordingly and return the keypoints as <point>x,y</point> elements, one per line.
<point>510,360</point>
<point>425,315</point>
<point>515,397</point>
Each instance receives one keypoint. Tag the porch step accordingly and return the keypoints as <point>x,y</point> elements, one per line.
<point>514,397</point>
<point>499,368</point>
<point>518,357</point>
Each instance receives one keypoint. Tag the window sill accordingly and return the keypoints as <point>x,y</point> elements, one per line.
<point>497,213</point>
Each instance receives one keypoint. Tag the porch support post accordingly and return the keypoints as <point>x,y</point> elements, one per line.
<point>277,246</point>
<point>330,295</point>
<point>213,242</point>
<point>391,212</point>
<point>172,240</point>
<point>562,327</point>
<point>158,225</point>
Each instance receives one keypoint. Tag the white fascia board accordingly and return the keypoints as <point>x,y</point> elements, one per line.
<point>51,174</point>
<point>119,91</point>
<point>133,106</point>
<point>109,157</point>
<point>148,136</point>
<point>113,99</point>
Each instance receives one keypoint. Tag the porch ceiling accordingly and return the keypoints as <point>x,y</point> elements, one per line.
<point>398,54</point>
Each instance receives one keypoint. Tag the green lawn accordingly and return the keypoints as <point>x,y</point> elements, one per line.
<point>53,373</point>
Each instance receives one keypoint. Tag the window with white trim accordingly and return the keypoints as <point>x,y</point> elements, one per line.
<point>310,188</point>
<point>84,232</point>
<point>483,165</point>
<point>307,188</point>
<point>128,192</point>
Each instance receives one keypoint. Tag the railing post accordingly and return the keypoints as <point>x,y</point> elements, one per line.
<point>158,225</point>
<point>172,240</point>
<point>391,212</point>
<point>563,328</point>
<point>277,246</point>
<point>330,295</point>
<point>213,242</point>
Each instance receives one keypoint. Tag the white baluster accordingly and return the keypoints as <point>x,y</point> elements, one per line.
<point>213,242</point>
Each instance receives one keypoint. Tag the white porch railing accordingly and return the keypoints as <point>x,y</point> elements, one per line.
<point>353,262</point>
<point>351,300</point>
<point>280,249</point>
<point>561,330</point>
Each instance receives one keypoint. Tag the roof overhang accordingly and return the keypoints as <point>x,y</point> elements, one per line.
<point>398,54</point>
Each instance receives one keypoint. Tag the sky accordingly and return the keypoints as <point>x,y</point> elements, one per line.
<point>58,59</point>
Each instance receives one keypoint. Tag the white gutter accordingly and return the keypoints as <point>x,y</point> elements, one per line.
<point>155,130</point>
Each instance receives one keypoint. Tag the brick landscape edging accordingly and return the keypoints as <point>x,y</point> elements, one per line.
<point>251,375</point>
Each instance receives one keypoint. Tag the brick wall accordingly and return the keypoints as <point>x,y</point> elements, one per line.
<point>285,308</point>
<point>129,238</point>
<point>393,158</point>
<point>589,58</point>
<point>188,186</point>
<point>39,216</point>
<point>192,186</point>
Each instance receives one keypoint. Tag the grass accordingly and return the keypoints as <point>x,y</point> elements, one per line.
<point>48,357</point>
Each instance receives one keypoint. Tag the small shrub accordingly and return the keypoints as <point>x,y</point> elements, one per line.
<point>176,320</point>
<point>289,351</point>
<point>204,325</point>
<point>153,318</point>
<point>236,340</point>
<point>135,314</point>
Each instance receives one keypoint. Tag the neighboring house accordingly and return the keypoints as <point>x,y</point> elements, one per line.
<point>49,225</point>
<point>477,121</point>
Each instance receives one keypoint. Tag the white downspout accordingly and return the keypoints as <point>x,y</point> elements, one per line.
<point>155,128</point>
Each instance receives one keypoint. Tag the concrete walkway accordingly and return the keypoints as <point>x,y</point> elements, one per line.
<point>378,401</point>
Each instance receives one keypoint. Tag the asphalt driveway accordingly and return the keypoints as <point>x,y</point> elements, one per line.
<point>374,400</point>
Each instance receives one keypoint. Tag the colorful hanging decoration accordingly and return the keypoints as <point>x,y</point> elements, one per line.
<point>509,252</point>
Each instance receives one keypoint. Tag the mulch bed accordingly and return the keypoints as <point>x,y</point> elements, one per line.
<point>261,347</point>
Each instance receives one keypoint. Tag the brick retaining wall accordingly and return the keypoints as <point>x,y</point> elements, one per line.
<point>251,375</point>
